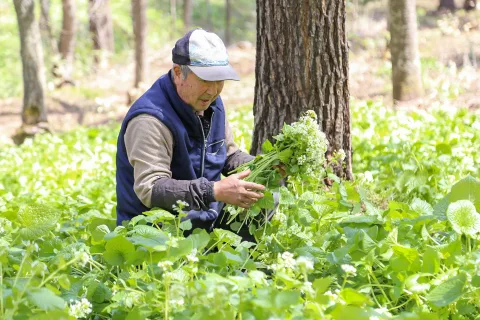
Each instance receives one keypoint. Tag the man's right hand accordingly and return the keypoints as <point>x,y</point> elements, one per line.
<point>233,190</point>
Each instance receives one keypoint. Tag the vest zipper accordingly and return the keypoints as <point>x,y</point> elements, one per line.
<point>205,139</point>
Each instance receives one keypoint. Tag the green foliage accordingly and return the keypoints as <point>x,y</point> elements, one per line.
<point>375,248</point>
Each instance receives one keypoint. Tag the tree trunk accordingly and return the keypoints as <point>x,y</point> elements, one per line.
<point>139,14</point>
<point>470,5</point>
<point>173,15</point>
<point>447,5</point>
<point>101,26</point>
<point>228,16</point>
<point>45,25</point>
<point>208,10</point>
<point>302,64</point>
<point>66,46</point>
<point>406,80</point>
<point>187,14</point>
<point>33,112</point>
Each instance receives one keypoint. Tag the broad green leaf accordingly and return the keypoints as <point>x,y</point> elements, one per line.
<point>199,240</point>
<point>267,146</point>
<point>467,189</point>
<point>285,155</point>
<point>51,315</point>
<point>45,299</point>
<point>186,225</point>
<point>227,237</point>
<point>343,312</point>
<point>421,207</point>
<point>448,292</point>
<point>267,201</point>
<point>119,251</point>
<point>431,261</point>
<point>321,285</point>
<point>353,297</point>
<point>463,217</point>
<point>37,220</point>
<point>285,299</point>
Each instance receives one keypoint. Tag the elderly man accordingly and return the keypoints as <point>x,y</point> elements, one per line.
<point>175,141</point>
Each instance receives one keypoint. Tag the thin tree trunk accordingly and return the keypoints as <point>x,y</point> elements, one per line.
<point>67,37</point>
<point>470,5</point>
<point>447,5</point>
<point>33,112</point>
<point>406,79</point>
<point>228,16</point>
<point>45,25</point>
<point>302,64</point>
<point>187,14</point>
<point>173,15</point>
<point>101,26</point>
<point>208,10</point>
<point>139,14</point>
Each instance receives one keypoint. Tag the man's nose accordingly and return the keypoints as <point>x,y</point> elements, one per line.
<point>212,88</point>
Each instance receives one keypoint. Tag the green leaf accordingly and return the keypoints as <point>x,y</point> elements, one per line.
<point>421,207</point>
<point>285,299</point>
<point>467,189</point>
<point>186,225</point>
<point>199,240</point>
<point>56,314</point>
<point>119,251</point>
<point>321,285</point>
<point>463,217</point>
<point>448,292</point>
<point>353,297</point>
<point>37,220</point>
<point>267,146</point>
<point>227,237</point>
<point>45,299</point>
<point>431,261</point>
<point>267,202</point>
<point>285,155</point>
<point>342,312</point>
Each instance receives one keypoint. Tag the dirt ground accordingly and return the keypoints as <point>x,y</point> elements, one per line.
<point>103,97</point>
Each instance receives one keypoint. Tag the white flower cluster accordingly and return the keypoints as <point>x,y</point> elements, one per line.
<point>192,256</point>
<point>305,263</point>
<point>287,261</point>
<point>80,309</point>
<point>165,265</point>
<point>5,225</point>
<point>349,269</point>
<point>82,256</point>
<point>307,144</point>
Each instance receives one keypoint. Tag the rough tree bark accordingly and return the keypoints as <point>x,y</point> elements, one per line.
<point>66,45</point>
<point>187,14</point>
<point>139,15</point>
<point>406,80</point>
<point>228,18</point>
<point>101,26</point>
<point>45,27</point>
<point>33,112</point>
<point>470,5</point>
<point>447,5</point>
<point>302,64</point>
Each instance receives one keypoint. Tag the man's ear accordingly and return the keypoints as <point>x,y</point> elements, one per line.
<point>176,71</point>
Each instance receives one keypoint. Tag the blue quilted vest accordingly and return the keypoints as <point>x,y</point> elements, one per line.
<point>194,155</point>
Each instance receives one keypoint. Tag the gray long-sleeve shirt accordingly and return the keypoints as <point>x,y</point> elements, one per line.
<point>149,145</point>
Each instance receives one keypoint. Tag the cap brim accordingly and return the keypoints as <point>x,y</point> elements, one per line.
<point>215,73</point>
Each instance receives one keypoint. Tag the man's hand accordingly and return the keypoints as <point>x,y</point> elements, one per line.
<point>233,190</point>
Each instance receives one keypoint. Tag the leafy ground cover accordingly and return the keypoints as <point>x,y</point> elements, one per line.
<point>401,242</point>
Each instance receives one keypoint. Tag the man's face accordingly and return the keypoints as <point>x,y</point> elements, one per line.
<point>196,92</point>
